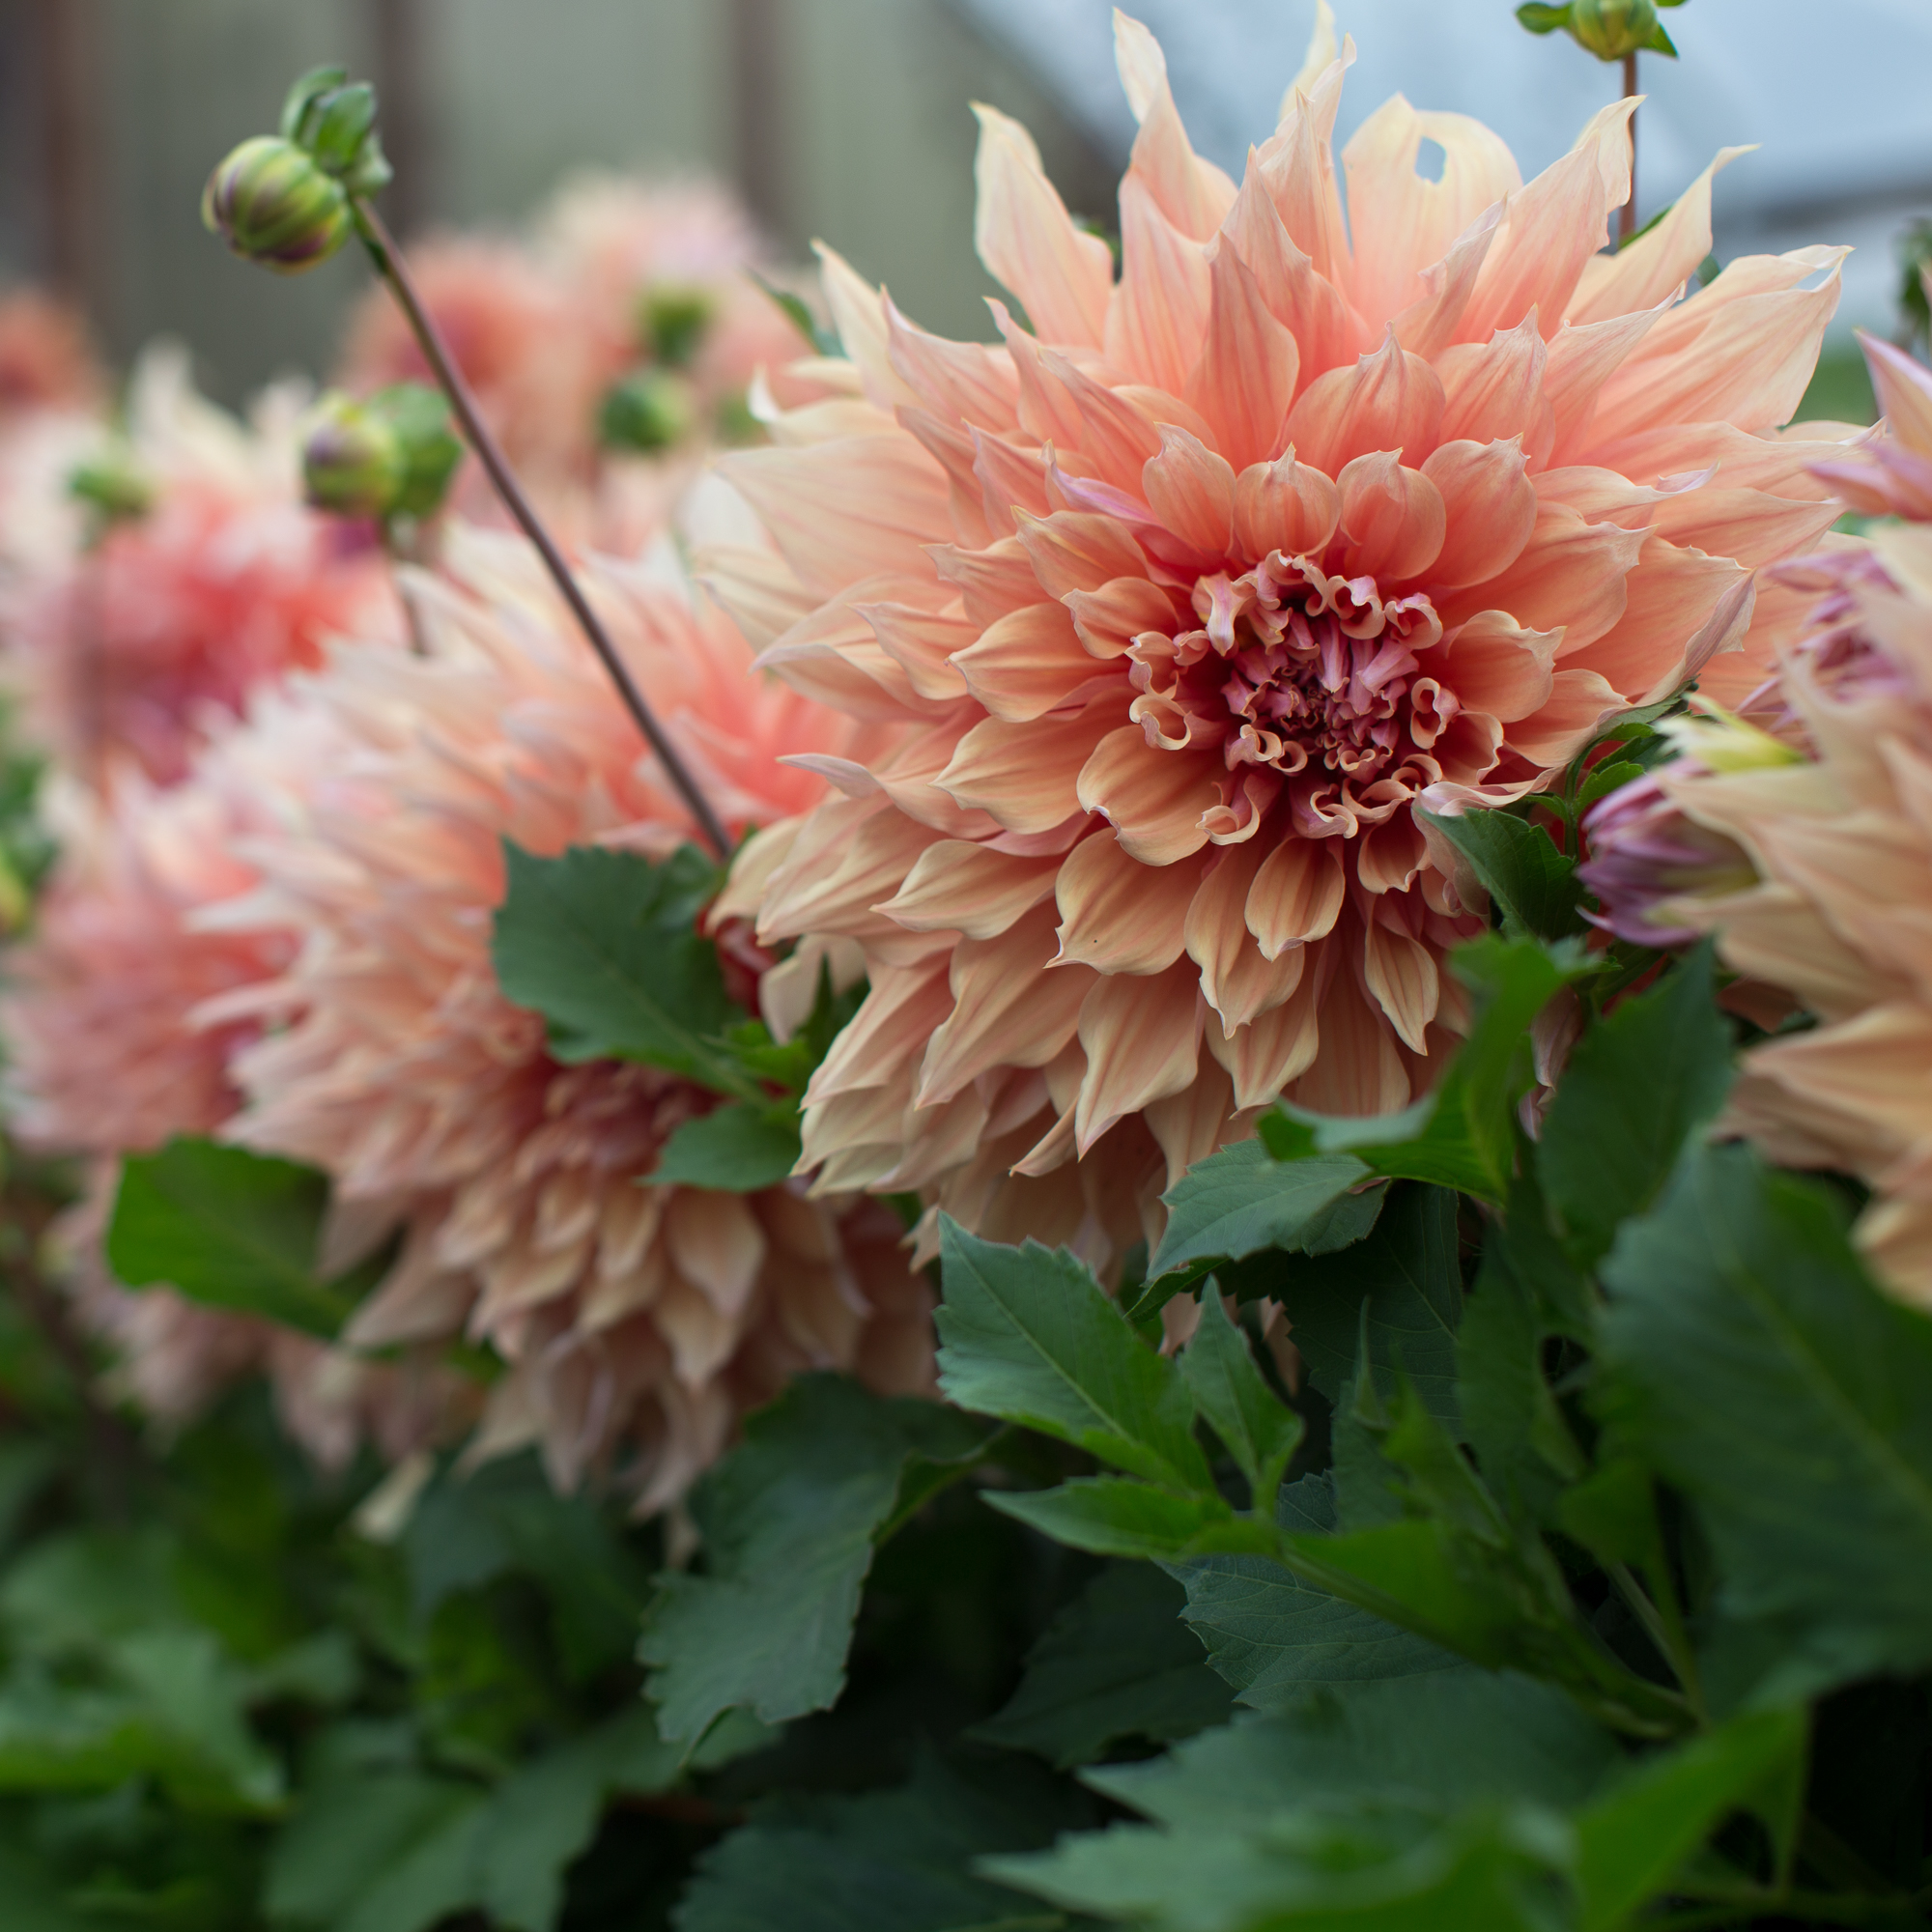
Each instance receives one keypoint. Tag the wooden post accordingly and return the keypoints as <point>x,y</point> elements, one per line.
<point>759,143</point>
<point>399,33</point>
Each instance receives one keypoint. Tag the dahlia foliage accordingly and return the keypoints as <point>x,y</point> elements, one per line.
<point>1357,496</point>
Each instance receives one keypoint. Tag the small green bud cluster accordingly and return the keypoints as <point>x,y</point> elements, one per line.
<point>647,411</point>
<point>113,486</point>
<point>286,200</point>
<point>390,456</point>
<point>672,322</point>
<point>1609,29</point>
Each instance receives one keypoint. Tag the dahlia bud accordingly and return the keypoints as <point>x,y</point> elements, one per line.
<point>113,486</point>
<point>1648,856</point>
<point>272,202</point>
<point>1609,29</point>
<point>335,119</point>
<point>672,322</point>
<point>648,411</point>
<point>391,456</point>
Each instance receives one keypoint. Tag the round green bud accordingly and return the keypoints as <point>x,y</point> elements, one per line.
<point>648,410</point>
<point>672,322</point>
<point>353,461</point>
<point>113,486</point>
<point>274,203</point>
<point>1610,29</point>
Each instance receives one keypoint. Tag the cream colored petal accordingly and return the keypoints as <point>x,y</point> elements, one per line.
<point>1117,915</point>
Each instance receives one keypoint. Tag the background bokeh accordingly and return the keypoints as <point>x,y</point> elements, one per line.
<point>848,118</point>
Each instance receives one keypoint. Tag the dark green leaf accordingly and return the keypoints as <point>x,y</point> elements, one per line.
<point>1612,774</point>
<point>1027,1334</point>
<point>1759,1369</point>
<point>789,1520</point>
<point>1258,1430</point>
<point>738,1150</point>
<point>603,945</point>
<point>1116,1663</point>
<point>1114,1515</point>
<point>820,341</point>
<point>1531,883</point>
<point>1541,17</point>
<point>1238,1201</point>
<point>1638,1085</point>
<point>227,1228</point>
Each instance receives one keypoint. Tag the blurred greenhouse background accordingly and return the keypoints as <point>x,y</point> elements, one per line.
<point>849,119</point>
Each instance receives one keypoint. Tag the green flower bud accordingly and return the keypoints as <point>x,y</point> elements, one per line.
<point>672,323</point>
<point>1609,29</point>
<point>648,410</point>
<point>274,202</point>
<point>335,119</point>
<point>113,486</point>
<point>390,456</point>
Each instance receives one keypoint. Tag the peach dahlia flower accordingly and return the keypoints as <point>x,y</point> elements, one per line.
<point>639,1322</point>
<point>1192,587</point>
<point>1840,839</point>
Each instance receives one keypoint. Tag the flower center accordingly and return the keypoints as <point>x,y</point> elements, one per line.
<point>1309,677</point>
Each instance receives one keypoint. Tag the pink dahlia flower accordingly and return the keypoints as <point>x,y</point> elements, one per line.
<point>1190,589</point>
<point>640,1322</point>
<point>1839,911</point>
<point>135,647</point>
<point>47,362</point>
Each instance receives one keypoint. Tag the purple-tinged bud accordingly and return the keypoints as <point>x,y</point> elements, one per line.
<point>1647,856</point>
<point>353,461</point>
<point>274,203</point>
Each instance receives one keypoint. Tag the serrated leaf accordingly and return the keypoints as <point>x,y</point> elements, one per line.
<point>603,945</point>
<point>737,1149</point>
<point>228,1229</point>
<point>1638,1084</point>
<point>1257,1429</point>
<point>1114,1515</point>
<point>789,1519</point>
<point>1528,879</point>
<point>1118,1663</point>
<point>1238,1201</point>
<point>1758,1368</point>
<point>1027,1334</point>
<point>1611,775</point>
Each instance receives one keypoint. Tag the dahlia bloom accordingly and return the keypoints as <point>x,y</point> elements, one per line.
<point>639,1322</point>
<point>102,1061</point>
<point>1840,910</point>
<point>45,360</point>
<point>1186,593</point>
<point>132,648</point>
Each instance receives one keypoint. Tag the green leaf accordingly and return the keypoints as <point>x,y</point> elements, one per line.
<point>1541,18</point>
<point>1611,775</point>
<point>1638,1085</point>
<point>1116,1663</point>
<point>886,1862</point>
<point>1027,1334</point>
<point>603,945</point>
<point>1530,882</point>
<point>1463,1134</point>
<point>820,341</point>
<point>1239,1200</point>
<point>1758,1368</point>
<point>789,1519</point>
<point>1114,1516</point>
<point>227,1228</point>
<point>1258,1430</point>
<point>1634,1842</point>
<point>1405,1281</point>
<point>1274,1636</point>
<point>738,1150</point>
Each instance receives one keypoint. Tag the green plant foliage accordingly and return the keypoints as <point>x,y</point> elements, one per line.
<point>790,1521</point>
<point>1531,883</point>
<point>230,1229</point>
<point>738,1150</point>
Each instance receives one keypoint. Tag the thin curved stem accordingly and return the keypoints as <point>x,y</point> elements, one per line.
<point>394,271</point>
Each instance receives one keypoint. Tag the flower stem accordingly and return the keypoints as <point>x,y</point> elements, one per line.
<point>1627,214</point>
<point>394,271</point>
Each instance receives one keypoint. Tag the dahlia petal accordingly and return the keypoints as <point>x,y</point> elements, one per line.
<point>1904,394</point>
<point>1114,436</point>
<point>1671,596</point>
<point>859,315</point>
<point>902,1009</point>
<point>1297,895</point>
<point>1076,550</point>
<point>717,1245</point>
<point>1394,518</point>
<point>991,582</point>
<point>1581,359</point>
<point>1012,482</point>
<point>1570,576</point>
<point>1142,1038</point>
<point>1495,390</point>
<point>1109,620</point>
<point>1388,856</point>
<point>1752,525</point>
<point>965,490</point>
<point>1028,240</point>
<point>1655,265</point>
<point>1400,221</point>
<point>922,644</point>
<point>1193,194</point>
<point>1401,973</point>
<point>1489,506</point>
<point>1580,704</point>
<point>1298,169</point>
<point>1154,799</point>
<point>845,510</point>
<point>1285,505</point>
<point>1246,376</point>
<point>1360,1069</point>
<point>1008,1010</point>
<point>1277,1046</point>
<point>964,381</point>
<point>1028,663</point>
<point>1157,319</point>
<point>1235,979</point>
<point>1191,490</point>
<point>1428,326</point>
<point>1551,228</point>
<point>1328,332</point>
<point>1190,1126</point>
<point>756,588</point>
<point>1388,401</point>
<point>959,885</point>
<point>1025,776</point>
<point>1498,666</point>
<point>1119,916</point>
